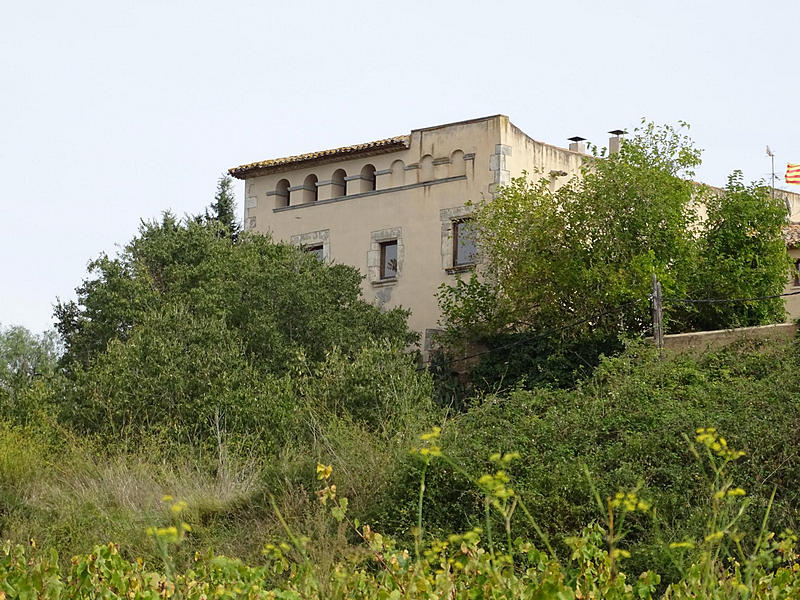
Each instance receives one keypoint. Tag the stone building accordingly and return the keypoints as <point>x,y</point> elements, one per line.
<point>398,208</point>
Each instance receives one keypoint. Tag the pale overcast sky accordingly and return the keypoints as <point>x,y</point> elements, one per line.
<point>111,112</point>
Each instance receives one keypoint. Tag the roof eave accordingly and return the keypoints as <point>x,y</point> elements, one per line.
<point>293,163</point>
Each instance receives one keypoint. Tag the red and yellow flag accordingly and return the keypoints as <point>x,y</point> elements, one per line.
<point>793,173</point>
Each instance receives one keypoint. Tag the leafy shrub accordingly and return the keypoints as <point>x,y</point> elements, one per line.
<point>184,374</point>
<point>625,424</point>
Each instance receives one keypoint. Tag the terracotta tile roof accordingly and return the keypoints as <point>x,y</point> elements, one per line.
<point>377,147</point>
<point>791,233</point>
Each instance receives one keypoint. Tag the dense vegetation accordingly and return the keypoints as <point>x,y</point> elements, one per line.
<point>669,516</point>
<point>625,426</point>
<point>565,271</point>
<point>214,393</point>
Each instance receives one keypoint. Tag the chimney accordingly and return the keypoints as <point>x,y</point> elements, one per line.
<point>576,144</point>
<point>614,141</point>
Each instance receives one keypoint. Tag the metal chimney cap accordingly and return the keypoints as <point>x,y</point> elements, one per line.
<point>616,132</point>
<point>576,138</point>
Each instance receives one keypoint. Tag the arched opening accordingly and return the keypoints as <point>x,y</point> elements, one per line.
<point>338,184</point>
<point>282,193</point>
<point>310,189</point>
<point>398,173</point>
<point>426,168</point>
<point>368,179</point>
<point>457,166</point>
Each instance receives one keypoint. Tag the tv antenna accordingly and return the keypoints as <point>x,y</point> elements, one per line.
<point>771,154</point>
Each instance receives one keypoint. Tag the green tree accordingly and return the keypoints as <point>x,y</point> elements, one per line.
<point>286,306</point>
<point>223,209</point>
<point>188,333</point>
<point>24,358</point>
<point>25,355</point>
<point>580,259</point>
<point>742,255</point>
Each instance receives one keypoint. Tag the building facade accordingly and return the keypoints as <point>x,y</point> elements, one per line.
<point>398,209</point>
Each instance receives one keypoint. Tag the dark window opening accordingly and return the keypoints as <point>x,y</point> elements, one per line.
<point>797,272</point>
<point>315,250</point>
<point>389,260</point>
<point>464,247</point>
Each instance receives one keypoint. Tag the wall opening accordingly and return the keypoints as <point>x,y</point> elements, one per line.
<point>282,193</point>
<point>310,189</point>
<point>368,179</point>
<point>338,184</point>
<point>388,267</point>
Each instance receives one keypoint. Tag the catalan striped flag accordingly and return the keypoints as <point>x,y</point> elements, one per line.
<point>793,173</point>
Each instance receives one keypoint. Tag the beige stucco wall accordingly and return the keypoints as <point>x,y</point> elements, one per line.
<point>538,159</point>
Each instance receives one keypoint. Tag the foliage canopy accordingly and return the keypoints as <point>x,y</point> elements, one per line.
<point>578,260</point>
<point>185,324</point>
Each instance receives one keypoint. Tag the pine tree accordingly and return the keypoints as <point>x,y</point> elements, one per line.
<point>223,209</point>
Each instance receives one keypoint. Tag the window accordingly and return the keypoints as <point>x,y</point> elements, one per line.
<point>385,257</point>
<point>314,242</point>
<point>464,247</point>
<point>316,250</point>
<point>389,260</point>
<point>797,272</point>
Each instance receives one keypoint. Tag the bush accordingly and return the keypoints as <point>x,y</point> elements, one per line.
<point>625,424</point>
<point>182,374</point>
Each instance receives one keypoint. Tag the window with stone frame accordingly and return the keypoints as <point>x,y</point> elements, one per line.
<point>314,242</point>
<point>389,265</point>
<point>385,256</point>
<point>465,248</point>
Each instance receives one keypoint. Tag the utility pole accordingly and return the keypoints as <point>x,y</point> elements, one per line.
<point>658,322</point>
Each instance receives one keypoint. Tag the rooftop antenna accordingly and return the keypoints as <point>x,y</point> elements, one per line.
<point>771,154</point>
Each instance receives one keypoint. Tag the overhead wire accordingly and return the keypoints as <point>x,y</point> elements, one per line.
<point>543,334</point>
<point>600,314</point>
<point>720,300</point>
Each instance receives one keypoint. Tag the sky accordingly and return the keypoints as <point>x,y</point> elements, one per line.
<point>112,112</point>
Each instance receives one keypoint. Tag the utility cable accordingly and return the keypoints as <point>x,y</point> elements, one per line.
<point>604,313</point>
<point>543,334</point>
<point>720,300</point>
